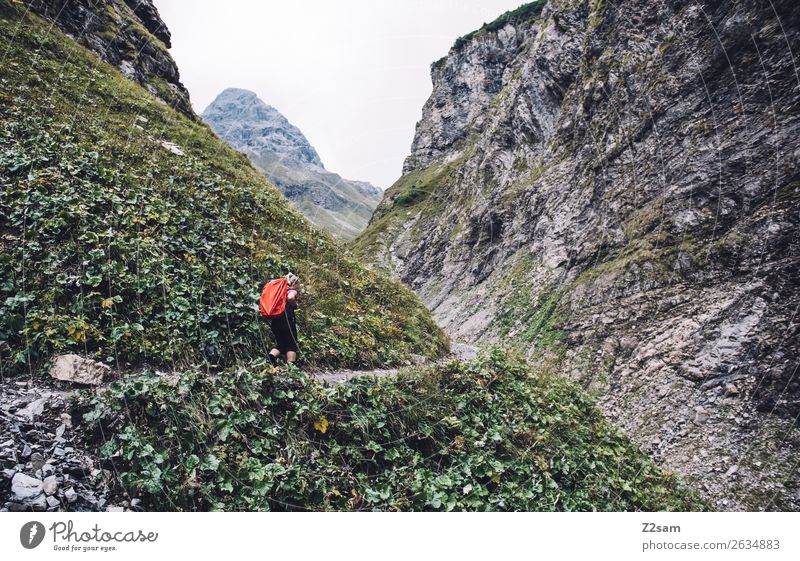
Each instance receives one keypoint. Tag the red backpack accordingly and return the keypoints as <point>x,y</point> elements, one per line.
<point>273,298</point>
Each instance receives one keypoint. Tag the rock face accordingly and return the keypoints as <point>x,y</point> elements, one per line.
<point>128,34</point>
<point>614,188</point>
<point>280,151</point>
<point>248,124</point>
<point>78,370</point>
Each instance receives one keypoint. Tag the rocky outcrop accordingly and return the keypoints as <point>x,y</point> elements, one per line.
<point>614,189</point>
<point>128,34</point>
<point>78,370</point>
<point>249,125</point>
<point>282,153</point>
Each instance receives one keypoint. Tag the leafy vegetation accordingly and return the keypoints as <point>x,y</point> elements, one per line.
<point>132,234</point>
<point>490,434</point>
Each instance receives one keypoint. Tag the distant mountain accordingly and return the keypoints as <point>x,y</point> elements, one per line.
<point>282,153</point>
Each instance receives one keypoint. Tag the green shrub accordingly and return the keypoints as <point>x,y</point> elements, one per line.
<point>486,435</point>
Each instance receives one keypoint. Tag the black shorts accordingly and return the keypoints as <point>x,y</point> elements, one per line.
<point>285,330</point>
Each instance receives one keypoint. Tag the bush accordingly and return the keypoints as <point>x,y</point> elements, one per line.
<point>486,435</point>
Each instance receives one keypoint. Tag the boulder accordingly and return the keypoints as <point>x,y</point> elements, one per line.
<point>24,488</point>
<point>50,485</point>
<point>78,370</point>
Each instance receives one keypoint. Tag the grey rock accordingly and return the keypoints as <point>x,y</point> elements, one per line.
<point>700,415</point>
<point>248,124</point>
<point>140,44</point>
<point>53,502</point>
<point>566,159</point>
<point>25,488</point>
<point>17,507</point>
<point>33,409</point>
<point>78,370</point>
<point>731,389</point>
<point>50,485</point>
<point>37,461</point>
<point>70,495</point>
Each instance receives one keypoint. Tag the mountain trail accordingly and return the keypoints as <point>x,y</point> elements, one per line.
<point>458,351</point>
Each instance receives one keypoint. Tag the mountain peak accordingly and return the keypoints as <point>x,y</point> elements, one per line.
<point>281,152</point>
<point>247,123</point>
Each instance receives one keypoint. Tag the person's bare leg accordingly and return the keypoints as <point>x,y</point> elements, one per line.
<point>273,355</point>
<point>291,356</point>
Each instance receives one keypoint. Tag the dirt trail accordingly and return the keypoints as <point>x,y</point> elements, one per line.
<point>458,351</point>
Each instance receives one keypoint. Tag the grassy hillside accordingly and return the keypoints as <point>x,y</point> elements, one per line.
<point>132,234</point>
<point>486,435</point>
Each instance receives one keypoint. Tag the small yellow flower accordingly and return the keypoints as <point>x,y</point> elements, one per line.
<point>322,424</point>
<point>107,303</point>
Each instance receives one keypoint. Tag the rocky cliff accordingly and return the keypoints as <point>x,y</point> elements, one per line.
<point>129,35</point>
<point>613,187</point>
<point>279,150</point>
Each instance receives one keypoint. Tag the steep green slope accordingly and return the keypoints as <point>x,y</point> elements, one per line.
<point>132,234</point>
<point>486,435</point>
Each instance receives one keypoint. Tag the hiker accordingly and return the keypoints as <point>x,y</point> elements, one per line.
<point>284,327</point>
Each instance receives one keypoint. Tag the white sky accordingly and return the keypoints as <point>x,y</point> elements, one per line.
<point>351,74</point>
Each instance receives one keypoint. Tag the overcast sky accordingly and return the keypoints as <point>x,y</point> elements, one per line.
<point>351,74</point>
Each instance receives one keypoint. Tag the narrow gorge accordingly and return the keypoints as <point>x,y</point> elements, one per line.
<point>601,197</point>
